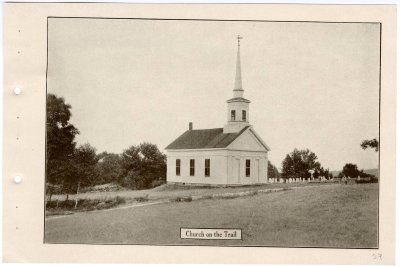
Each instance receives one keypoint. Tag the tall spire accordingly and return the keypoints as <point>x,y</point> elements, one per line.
<point>238,107</point>
<point>238,78</point>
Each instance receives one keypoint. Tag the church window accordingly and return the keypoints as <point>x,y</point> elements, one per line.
<point>247,168</point>
<point>192,167</point>
<point>244,115</point>
<point>207,168</point>
<point>178,167</point>
<point>233,115</point>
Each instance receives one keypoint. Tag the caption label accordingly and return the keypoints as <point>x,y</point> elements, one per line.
<point>199,233</point>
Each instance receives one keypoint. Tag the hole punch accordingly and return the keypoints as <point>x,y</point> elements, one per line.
<point>17,179</point>
<point>17,90</point>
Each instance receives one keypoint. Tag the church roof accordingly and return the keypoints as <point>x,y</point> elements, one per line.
<point>205,138</point>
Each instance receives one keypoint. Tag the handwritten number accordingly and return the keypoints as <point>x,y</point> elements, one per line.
<point>377,256</point>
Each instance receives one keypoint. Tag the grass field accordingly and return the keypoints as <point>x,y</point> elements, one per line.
<point>168,191</point>
<point>333,215</point>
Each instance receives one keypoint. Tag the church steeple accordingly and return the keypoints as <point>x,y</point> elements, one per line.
<point>238,77</point>
<point>238,107</point>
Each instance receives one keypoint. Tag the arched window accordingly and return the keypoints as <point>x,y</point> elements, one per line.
<point>243,115</point>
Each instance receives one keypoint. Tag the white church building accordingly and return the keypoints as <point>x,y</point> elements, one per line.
<point>232,155</point>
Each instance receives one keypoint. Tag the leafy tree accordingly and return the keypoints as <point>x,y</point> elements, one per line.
<point>60,145</point>
<point>326,173</point>
<point>350,170</point>
<point>288,167</point>
<point>272,171</point>
<point>153,161</point>
<point>298,164</point>
<point>141,165</point>
<point>83,167</point>
<point>321,171</point>
<point>130,160</point>
<point>108,168</point>
<point>85,161</point>
<point>373,143</point>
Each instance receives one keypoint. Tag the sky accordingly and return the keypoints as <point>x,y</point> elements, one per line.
<point>311,85</point>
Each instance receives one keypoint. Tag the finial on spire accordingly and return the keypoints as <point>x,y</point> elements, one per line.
<point>238,38</point>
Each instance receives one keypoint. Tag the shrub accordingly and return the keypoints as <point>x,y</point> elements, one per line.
<point>119,200</point>
<point>87,204</point>
<point>84,204</point>
<point>86,189</point>
<point>67,204</point>
<point>108,203</point>
<point>183,199</point>
<point>157,183</point>
<point>51,204</point>
<point>142,199</point>
<point>102,205</point>
<point>367,180</point>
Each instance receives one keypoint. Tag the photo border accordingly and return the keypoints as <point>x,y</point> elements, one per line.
<point>225,20</point>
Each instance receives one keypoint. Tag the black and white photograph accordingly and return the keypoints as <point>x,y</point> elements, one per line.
<point>205,132</point>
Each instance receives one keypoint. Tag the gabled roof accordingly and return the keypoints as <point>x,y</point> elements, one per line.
<point>206,138</point>
<point>260,140</point>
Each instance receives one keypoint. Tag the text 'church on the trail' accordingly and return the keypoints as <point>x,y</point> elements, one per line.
<point>235,154</point>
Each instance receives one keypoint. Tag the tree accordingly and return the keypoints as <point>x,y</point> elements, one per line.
<point>373,143</point>
<point>350,170</point>
<point>130,160</point>
<point>108,168</point>
<point>84,162</point>
<point>60,145</point>
<point>154,162</point>
<point>326,173</point>
<point>141,165</point>
<point>288,168</point>
<point>272,171</point>
<point>321,171</point>
<point>298,164</point>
